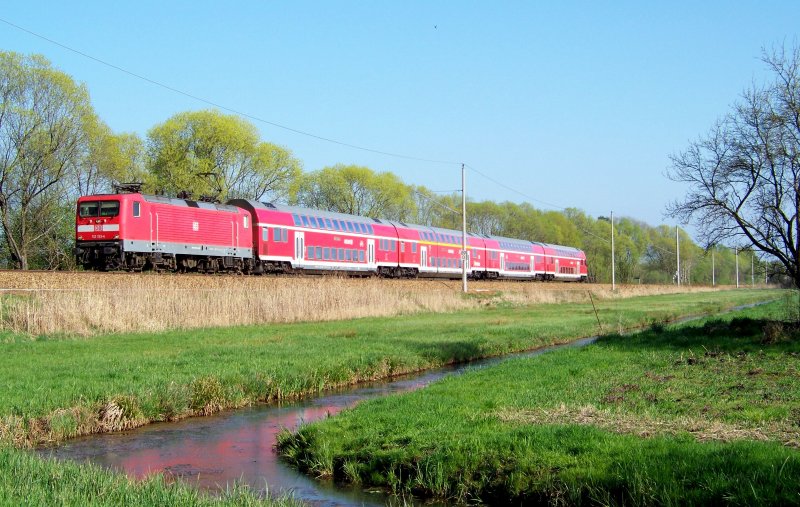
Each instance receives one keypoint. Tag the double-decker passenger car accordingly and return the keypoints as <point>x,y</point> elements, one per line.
<point>137,231</point>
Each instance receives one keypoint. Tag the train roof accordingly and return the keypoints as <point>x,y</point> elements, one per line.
<point>299,210</point>
<point>172,201</point>
<point>520,245</point>
<point>563,250</point>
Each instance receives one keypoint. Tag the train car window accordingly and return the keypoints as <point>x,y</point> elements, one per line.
<point>326,253</point>
<point>361,256</point>
<point>319,252</point>
<point>350,227</point>
<point>136,208</point>
<point>328,224</point>
<point>305,220</point>
<point>413,248</point>
<point>363,228</point>
<point>313,221</point>
<point>276,234</point>
<point>310,252</point>
<point>348,256</point>
<point>264,234</point>
<point>393,245</point>
<point>402,247</point>
<point>244,221</point>
<point>341,254</point>
<point>285,234</point>
<point>296,219</point>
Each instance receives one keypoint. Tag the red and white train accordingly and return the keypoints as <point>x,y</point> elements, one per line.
<point>134,231</point>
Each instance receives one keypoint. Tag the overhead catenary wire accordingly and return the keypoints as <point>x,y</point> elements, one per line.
<point>295,130</point>
<point>226,108</point>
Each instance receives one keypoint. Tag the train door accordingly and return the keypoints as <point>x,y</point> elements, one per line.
<point>155,246</point>
<point>423,259</point>
<point>502,261</point>
<point>264,241</point>
<point>371,252</point>
<point>556,261</point>
<point>299,246</point>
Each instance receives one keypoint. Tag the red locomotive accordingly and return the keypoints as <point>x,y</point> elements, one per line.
<point>134,231</point>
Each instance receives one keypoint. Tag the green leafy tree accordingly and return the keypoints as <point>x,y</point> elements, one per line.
<point>214,154</point>
<point>356,190</point>
<point>44,135</point>
<point>110,158</point>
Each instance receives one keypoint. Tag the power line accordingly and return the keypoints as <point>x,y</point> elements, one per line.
<point>226,108</point>
<point>523,194</point>
<point>294,130</point>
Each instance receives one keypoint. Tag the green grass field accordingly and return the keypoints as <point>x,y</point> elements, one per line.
<point>704,413</point>
<point>61,388</point>
<point>56,387</point>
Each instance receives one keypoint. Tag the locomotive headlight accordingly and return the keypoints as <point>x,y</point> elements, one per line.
<point>116,236</point>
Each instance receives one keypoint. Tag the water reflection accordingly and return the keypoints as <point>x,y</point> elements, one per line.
<point>213,452</point>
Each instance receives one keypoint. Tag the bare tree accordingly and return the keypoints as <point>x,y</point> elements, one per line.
<point>744,175</point>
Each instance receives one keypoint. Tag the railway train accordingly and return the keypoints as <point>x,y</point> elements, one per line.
<point>134,231</point>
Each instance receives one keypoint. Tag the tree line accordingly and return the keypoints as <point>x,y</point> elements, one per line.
<point>54,148</point>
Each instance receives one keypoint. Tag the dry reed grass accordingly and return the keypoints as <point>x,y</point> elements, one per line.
<point>644,425</point>
<point>84,304</point>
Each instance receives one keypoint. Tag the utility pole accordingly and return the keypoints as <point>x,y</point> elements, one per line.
<point>713,272</point>
<point>737,266</point>
<point>613,262</point>
<point>464,253</point>
<point>678,251</point>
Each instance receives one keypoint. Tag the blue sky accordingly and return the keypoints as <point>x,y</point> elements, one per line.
<point>572,104</point>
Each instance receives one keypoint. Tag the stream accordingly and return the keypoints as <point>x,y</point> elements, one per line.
<point>213,452</point>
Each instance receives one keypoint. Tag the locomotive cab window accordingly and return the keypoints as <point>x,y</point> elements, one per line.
<point>136,208</point>
<point>89,209</point>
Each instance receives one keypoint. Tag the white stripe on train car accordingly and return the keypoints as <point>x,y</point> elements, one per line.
<point>99,228</point>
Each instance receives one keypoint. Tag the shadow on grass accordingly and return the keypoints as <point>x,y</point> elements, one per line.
<point>720,335</point>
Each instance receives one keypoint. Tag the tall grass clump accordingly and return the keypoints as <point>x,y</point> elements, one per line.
<point>26,479</point>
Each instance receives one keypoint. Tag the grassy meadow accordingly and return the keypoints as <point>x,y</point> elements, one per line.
<point>72,381</point>
<point>701,413</point>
